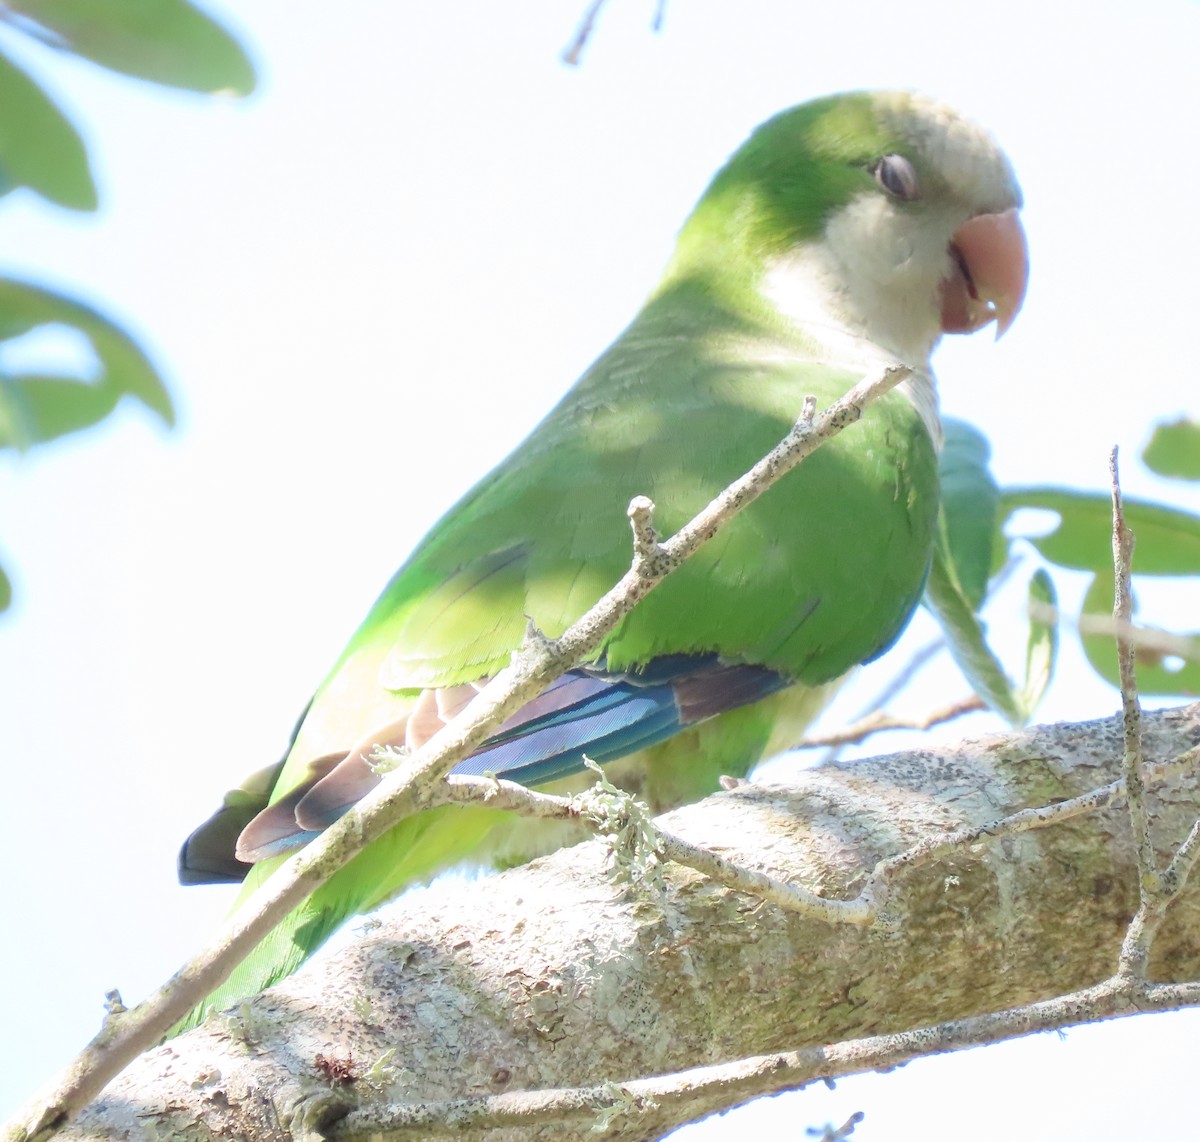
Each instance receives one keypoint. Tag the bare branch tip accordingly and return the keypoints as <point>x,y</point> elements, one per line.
<point>647,551</point>
<point>640,507</point>
<point>573,52</point>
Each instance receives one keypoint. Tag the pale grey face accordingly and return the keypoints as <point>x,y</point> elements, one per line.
<point>913,257</point>
<point>961,152</point>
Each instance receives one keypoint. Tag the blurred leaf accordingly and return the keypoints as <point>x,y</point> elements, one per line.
<point>165,41</point>
<point>5,591</point>
<point>965,639</point>
<point>1041,651</point>
<point>1156,673</point>
<point>35,408</point>
<point>967,521</point>
<point>39,148</point>
<point>1168,540</point>
<point>1174,450</point>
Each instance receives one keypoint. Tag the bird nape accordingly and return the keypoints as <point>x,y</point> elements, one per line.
<point>846,233</point>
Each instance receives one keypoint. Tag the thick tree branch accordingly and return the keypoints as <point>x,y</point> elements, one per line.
<point>516,1000</point>
<point>585,1108</point>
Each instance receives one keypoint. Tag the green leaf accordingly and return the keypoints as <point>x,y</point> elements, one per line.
<point>5,591</point>
<point>1174,450</point>
<point>1156,673</point>
<point>965,639</point>
<point>1168,540</point>
<point>39,148</point>
<point>967,522</point>
<point>165,41</point>
<point>961,562</point>
<point>36,407</point>
<point>1041,651</point>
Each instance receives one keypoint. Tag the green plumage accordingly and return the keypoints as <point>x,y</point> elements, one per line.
<point>819,574</point>
<point>678,408</point>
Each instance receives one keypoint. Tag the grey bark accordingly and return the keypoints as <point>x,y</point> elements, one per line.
<point>551,976</point>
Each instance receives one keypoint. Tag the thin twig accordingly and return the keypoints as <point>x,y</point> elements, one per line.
<point>1153,906</point>
<point>919,660</point>
<point>880,721</point>
<point>790,897</point>
<point>1182,863</point>
<point>1122,546</point>
<point>1156,890</point>
<point>1139,637</point>
<point>411,785</point>
<point>574,50</point>
<point>1135,949</point>
<point>921,657</point>
<point>831,1133</point>
<point>517,798</point>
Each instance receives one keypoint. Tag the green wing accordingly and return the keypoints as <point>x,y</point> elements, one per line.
<point>818,575</point>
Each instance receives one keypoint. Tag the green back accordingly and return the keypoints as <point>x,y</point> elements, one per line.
<point>817,576</point>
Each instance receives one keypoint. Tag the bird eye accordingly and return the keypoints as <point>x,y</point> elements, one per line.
<point>896,175</point>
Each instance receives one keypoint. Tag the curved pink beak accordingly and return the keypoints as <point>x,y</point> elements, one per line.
<point>989,275</point>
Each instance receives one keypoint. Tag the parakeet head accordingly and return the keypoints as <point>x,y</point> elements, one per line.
<point>887,215</point>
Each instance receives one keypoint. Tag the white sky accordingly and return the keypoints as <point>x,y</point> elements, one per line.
<point>367,282</point>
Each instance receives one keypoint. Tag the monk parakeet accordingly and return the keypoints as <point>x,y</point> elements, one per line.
<point>845,233</point>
